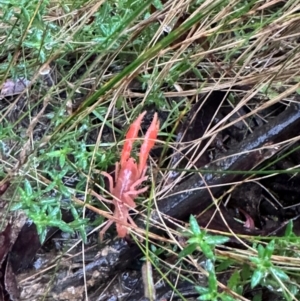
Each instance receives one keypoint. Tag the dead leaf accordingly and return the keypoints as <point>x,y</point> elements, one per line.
<point>13,87</point>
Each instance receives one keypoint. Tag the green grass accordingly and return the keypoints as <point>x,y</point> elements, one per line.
<point>93,50</point>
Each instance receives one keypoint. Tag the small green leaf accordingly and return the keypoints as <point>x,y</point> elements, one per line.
<point>65,190</point>
<point>261,251</point>
<point>187,250</point>
<point>205,297</point>
<point>78,223</point>
<point>49,201</point>
<point>234,280</point>
<point>158,4</point>
<point>42,56</point>
<point>293,289</point>
<point>8,13</point>
<point>25,14</point>
<point>17,206</point>
<point>224,265</point>
<point>209,266</point>
<point>194,226</point>
<point>74,212</point>
<point>256,278</point>
<point>43,234</point>
<point>82,232</point>
<point>207,250</point>
<point>194,240</point>
<point>54,154</point>
<point>55,212</point>
<point>39,229</point>
<point>216,239</point>
<point>61,225</point>
<point>289,229</point>
<point>270,249</point>
<point>28,188</point>
<point>246,272</point>
<point>279,273</point>
<point>201,289</point>
<point>226,297</point>
<point>212,280</point>
<point>255,260</point>
<point>62,161</point>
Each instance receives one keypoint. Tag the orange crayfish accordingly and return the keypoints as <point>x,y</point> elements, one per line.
<point>129,175</point>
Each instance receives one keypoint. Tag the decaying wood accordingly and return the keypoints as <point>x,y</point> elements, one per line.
<point>192,195</point>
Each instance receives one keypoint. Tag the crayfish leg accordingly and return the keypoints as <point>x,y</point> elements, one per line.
<point>121,230</point>
<point>110,180</point>
<point>130,137</point>
<point>100,198</point>
<point>117,170</point>
<point>131,194</point>
<point>128,200</point>
<point>148,143</point>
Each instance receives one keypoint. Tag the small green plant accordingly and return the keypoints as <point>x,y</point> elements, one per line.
<point>29,26</point>
<point>43,203</point>
<point>211,292</point>
<point>264,265</point>
<point>201,240</point>
<point>45,211</point>
<point>259,271</point>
